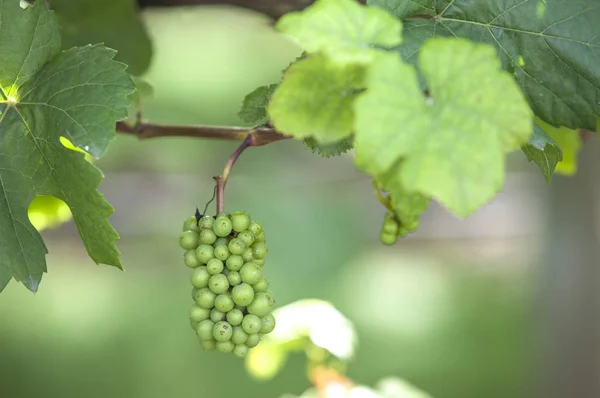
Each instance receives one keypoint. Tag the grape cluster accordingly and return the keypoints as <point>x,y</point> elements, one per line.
<point>392,228</point>
<point>233,304</point>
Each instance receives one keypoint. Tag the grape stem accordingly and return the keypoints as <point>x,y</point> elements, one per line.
<point>382,200</point>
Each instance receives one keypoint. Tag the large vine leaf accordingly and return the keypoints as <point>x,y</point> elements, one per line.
<point>552,47</point>
<point>451,144</point>
<point>543,151</point>
<point>344,30</point>
<point>315,100</point>
<point>115,23</point>
<point>78,94</point>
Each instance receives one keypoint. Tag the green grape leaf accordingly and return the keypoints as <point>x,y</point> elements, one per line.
<point>569,141</point>
<point>344,30</point>
<point>114,23</point>
<point>329,150</point>
<point>452,144</point>
<point>543,151</point>
<point>254,107</point>
<point>552,47</point>
<point>5,277</point>
<point>315,100</point>
<point>143,91</point>
<point>78,94</point>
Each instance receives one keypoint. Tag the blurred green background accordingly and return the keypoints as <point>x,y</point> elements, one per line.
<point>453,309</point>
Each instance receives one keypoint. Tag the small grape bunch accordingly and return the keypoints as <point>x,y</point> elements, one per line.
<point>233,303</point>
<point>393,228</point>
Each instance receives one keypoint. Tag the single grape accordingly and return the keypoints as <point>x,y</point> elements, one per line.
<point>261,305</point>
<point>240,221</point>
<point>224,214</point>
<point>259,250</point>
<point>214,266</point>
<point>250,273</point>
<point>198,314</point>
<point>199,277</point>
<point>205,253</point>
<point>190,224</point>
<point>218,283</point>
<point>267,324</point>
<point>261,286</point>
<point>236,246</point>
<point>247,255</point>
<point>224,302</point>
<point>402,232</point>
<point>190,259</point>
<point>411,226</point>
<point>255,227</point>
<point>222,331</point>
<point>225,346</point>
<point>205,298</point>
<point>235,317</point>
<point>387,239</point>
<point>193,324</point>
<point>242,294</point>
<point>247,237</point>
<point>251,324</point>
<point>194,291</point>
<point>238,336</point>
<point>221,252</point>
<point>234,278</point>
<point>216,315</point>
<point>207,237</point>
<point>189,240</point>
<point>234,262</point>
<point>253,340</point>
<point>206,222</point>
<point>205,329</point>
<point>240,350</point>
<point>260,262</point>
<point>208,345</point>
<point>222,227</point>
<point>260,237</point>
<point>221,241</point>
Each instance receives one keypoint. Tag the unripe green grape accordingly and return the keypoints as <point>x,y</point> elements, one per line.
<point>235,317</point>
<point>236,246</point>
<point>189,240</point>
<point>402,232</point>
<point>255,227</point>
<point>225,346</point>
<point>214,266</point>
<point>224,214</point>
<point>205,298</point>
<point>221,241</point>
<point>218,283</point>
<point>207,237</point>
<point>190,224</point>
<point>240,221</point>
<point>205,253</point>
<point>251,324</point>
<point>240,350</point>
<point>222,331</point>
<point>261,286</point>
<point>222,227</point>
<point>209,345</point>
<point>194,291</point>
<point>261,305</point>
<point>238,336</point>
<point>260,262</point>
<point>205,329</point>
<point>247,255</point>
<point>199,277</point>
<point>206,222</point>
<point>247,237</point>
<point>242,294</point>
<point>234,262</point>
<point>224,302</point>
<point>253,340</point>
<point>190,259</point>
<point>234,278</point>
<point>216,315</point>
<point>198,314</point>
<point>221,252</point>
<point>267,324</point>
<point>250,273</point>
<point>193,324</point>
<point>260,237</point>
<point>259,250</point>
<point>387,239</point>
<point>271,296</point>
<point>412,226</point>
